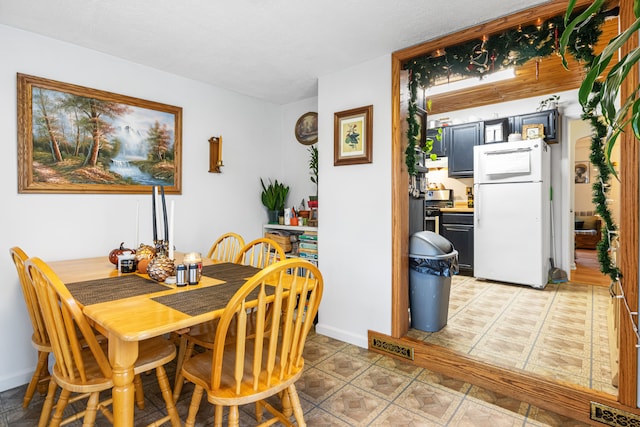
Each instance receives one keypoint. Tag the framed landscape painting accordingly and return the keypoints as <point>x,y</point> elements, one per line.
<point>73,139</point>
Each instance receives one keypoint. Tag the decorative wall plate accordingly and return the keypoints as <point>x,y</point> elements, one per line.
<point>307,128</point>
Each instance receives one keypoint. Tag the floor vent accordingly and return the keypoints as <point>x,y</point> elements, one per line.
<point>613,417</point>
<point>392,348</point>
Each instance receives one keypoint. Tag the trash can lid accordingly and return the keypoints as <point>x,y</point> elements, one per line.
<point>429,243</point>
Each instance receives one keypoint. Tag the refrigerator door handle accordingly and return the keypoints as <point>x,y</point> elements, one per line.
<point>476,203</point>
<point>509,151</point>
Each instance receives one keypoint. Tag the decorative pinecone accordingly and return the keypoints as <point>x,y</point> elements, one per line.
<point>160,267</point>
<point>145,252</point>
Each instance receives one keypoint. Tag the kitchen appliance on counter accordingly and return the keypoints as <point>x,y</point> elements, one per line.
<point>434,200</point>
<point>512,212</point>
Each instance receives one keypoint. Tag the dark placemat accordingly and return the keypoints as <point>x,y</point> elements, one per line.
<point>227,271</point>
<point>113,288</point>
<point>200,301</point>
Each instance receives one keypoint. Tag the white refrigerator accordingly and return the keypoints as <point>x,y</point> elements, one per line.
<point>512,212</point>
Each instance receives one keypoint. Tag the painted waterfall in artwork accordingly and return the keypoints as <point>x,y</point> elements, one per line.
<point>82,140</point>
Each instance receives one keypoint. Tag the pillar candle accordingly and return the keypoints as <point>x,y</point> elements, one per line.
<point>137,223</point>
<point>154,194</point>
<point>164,216</point>
<point>171,235</point>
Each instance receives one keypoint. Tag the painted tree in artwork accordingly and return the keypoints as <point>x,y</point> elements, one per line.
<point>47,122</point>
<point>159,139</point>
<point>96,117</point>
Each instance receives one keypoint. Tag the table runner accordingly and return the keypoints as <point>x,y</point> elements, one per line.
<point>113,288</point>
<point>229,271</point>
<point>198,301</point>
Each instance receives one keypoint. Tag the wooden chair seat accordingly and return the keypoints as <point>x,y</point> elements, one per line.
<point>257,348</point>
<point>81,363</point>
<point>198,370</point>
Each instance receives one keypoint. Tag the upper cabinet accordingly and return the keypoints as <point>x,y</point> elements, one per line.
<point>547,118</point>
<point>460,140</point>
<point>439,147</point>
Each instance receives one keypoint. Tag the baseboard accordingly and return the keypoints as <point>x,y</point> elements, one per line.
<point>339,334</point>
<point>16,379</point>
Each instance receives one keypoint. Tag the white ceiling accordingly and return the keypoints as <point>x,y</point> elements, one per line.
<point>270,49</point>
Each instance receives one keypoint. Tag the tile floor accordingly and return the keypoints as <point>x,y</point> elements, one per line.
<point>344,385</point>
<point>559,332</point>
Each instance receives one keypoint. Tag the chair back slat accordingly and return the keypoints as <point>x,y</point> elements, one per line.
<point>282,304</point>
<point>29,293</point>
<point>226,247</point>
<point>260,253</point>
<point>67,327</point>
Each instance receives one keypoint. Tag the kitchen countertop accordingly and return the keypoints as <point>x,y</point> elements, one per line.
<point>458,207</point>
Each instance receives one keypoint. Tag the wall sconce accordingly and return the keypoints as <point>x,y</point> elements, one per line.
<point>215,154</point>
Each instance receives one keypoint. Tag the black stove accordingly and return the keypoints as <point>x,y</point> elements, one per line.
<point>434,200</point>
<point>432,207</point>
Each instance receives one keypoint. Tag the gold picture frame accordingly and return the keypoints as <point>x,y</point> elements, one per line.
<point>74,139</point>
<point>353,136</point>
<point>533,131</point>
<point>306,129</point>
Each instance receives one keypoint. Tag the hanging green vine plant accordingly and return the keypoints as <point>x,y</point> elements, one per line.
<point>599,105</point>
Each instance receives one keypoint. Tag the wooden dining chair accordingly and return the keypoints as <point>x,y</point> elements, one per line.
<point>81,365</point>
<point>226,247</point>
<point>39,338</point>
<point>246,367</point>
<point>260,253</point>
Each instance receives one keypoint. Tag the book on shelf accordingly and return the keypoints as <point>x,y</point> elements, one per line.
<point>307,255</point>
<point>308,245</point>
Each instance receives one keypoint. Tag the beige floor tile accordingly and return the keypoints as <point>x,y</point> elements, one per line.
<point>550,419</point>
<point>343,366</point>
<point>316,385</point>
<point>396,416</point>
<point>399,367</point>
<point>430,377</point>
<point>474,414</point>
<point>382,382</point>
<point>497,399</point>
<point>318,417</point>
<point>433,402</point>
<point>354,405</point>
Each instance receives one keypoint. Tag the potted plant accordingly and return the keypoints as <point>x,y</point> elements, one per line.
<point>313,166</point>
<point>549,103</point>
<point>274,197</point>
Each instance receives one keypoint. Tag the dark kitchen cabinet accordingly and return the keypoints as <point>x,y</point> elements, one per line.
<point>548,118</point>
<point>457,227</point>
<point>439,147</point>
<point>460,142</point>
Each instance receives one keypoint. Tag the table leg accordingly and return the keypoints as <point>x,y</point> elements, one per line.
<point>123,355</point>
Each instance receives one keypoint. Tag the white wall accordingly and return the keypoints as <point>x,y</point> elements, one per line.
<point>295,156</point>
<point>354,235</point>
<point>63,226</point>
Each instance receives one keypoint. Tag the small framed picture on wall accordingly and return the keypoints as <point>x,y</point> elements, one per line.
<point>582,172</point>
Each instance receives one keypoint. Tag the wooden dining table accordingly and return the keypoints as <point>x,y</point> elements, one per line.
<point>128,308</point>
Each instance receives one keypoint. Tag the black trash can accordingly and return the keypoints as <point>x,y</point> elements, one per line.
<point>432,262</point>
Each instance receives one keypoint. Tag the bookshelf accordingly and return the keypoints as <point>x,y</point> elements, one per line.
<point>304,240</point>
